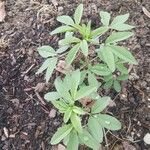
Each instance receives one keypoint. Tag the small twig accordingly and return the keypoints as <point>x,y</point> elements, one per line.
<point>40,98</point>
<point>129,125</point>
<point>25,72</point>
<point>107,145</point>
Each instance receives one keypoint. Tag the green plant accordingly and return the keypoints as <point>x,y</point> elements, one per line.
<point>67,100</point>
<point>106,68</point>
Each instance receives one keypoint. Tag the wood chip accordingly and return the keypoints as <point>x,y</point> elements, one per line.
<point>52,113</point>
<point>40,87</point>
<point>147,138</point>
<point>146,12</point>
<point>6,132</point>
<point>2,11</point>
<point>128,146</point>
<point>61,147</point>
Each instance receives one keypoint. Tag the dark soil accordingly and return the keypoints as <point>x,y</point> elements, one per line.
<point>25,120</point>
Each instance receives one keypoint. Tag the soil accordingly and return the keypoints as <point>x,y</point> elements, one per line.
<point>27,121</point>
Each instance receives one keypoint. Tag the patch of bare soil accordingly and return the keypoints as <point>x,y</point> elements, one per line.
<point>27,121</point>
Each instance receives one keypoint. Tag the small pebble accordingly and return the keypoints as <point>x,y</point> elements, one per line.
<point>147,138</point>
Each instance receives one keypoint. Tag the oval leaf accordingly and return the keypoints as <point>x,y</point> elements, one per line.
<point>78,14</point>
<point>72,54</point>
<point>51,96</point>
<point>76,122</point>
<point>46,51</point>
<point>50,69</point>
<point>62,29</point>
<point>65,20</point>
<point>109,122</point>
<point>100,105</point>
<point>118,36</point>
<point>61,133</point>
<point>84,47</point>
<point>123,53</point>
<point>105,18</point>
<point>73,143</point>
<point>95,129</point>
<point>85,91</point>
<point>108,58</point>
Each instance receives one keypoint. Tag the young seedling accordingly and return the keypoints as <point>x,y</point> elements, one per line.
<point>69,93</point>
<point>108,66</point>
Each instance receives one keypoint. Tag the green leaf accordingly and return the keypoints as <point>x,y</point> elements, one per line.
<point>100,69</point>
<point>123,77</point>
<point>61,133</point>
<point>73,143</point>
<point>92,80</point>
<point>44,66</point>
<point>109,122</point>
<point>51,96</point>
<point>62,90</point>
<point>123,53</point>
<point>69,40</point>
<point>67,114</point>
<point>95,129</point>
<point>83,76</point>
<point>78,14</point>
<point>62,29</point>
<point>75,80</point>
<point>87,139</point>
<point>100,105</point>
<point>60,105</point>
<point>108,58</point>
<point>99,31</point>
<point>72,54</point>
<point>65,20</point>
<point>122,27</point>
<point>118,36</point>
<point>62,49</point>
<point>46,51</point>
<point>122,68</point>
<point>76,122</point>
<point>108,84</point>
<point>105,18</point>
<point>88,29</point>
<point>117,86</point>
<point>85,91</point>
<point>120,19</point>
<point>84,47</point>
<point>78,110</point>
<point>50,69</point>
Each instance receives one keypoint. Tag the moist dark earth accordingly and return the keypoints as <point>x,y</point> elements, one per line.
<point>27,121</point>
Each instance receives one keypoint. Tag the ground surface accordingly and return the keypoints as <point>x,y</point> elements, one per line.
<point>25,121</point>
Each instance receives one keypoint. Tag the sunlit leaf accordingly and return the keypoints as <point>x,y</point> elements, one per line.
<point>100,105</point>
<point>72,54</point>
<point>99,31</point>
<point>51,96</point>
<point>46,51</point>
<point>61,133</point>
<point>84,47</point>
<point>109,122</point>
<point>108,58</point>
<point>50,69</point>
<point>118,36</point>
<point>95,129</point>
<point>117,86</point>
<point>76,122</point>
<point>85,91</point>
<point>65,20</point>
<point>78,14</point>
<point>73,142</point>
<point>123,53</point>
<point>105,18</point>
<point>62,29</point>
